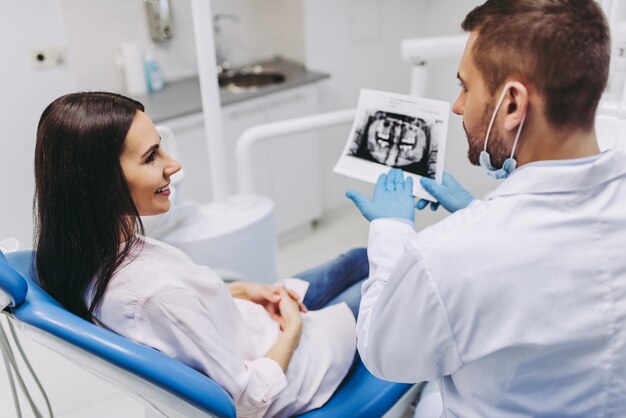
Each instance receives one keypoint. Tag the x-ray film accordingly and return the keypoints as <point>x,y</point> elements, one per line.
<point>395,130</point>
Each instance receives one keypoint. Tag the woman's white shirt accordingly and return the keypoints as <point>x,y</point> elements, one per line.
<point>163,300</point>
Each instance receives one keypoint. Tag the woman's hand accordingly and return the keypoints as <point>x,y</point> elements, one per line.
<point>290,320</point>
<point>255,292</point>
<point>265,295</point>
<point>288,316</point>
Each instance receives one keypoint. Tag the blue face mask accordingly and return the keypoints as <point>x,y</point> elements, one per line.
<point>485,159</point>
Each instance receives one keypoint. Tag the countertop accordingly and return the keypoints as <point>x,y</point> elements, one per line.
<point>182,98</point>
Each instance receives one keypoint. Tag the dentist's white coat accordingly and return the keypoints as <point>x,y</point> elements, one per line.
<point>516,303</point>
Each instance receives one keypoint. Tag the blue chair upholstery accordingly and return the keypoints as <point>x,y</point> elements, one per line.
<point>13,285</point>
<point>43,312</point>
<point>360,395</point>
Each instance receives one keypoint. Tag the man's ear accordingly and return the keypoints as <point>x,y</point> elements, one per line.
<point>516,105</point>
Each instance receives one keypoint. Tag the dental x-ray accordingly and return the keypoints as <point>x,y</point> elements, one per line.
<point>394,130</point>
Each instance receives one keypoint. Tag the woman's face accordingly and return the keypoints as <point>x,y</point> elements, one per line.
<point>147,167</point>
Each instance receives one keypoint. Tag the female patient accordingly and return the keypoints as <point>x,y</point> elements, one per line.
<point>98,167</point>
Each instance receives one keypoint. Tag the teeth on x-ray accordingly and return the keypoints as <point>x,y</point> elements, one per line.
<point>396,130</point>
<point>396,140</point>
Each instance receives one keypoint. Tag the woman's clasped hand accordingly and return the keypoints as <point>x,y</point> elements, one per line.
<point>282,304</point>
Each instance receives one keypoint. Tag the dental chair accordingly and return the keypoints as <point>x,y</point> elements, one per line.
<point>167,386</point>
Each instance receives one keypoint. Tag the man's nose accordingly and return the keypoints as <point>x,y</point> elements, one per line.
<point>458,107</point>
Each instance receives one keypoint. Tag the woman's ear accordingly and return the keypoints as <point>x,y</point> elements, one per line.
<point>516,105</point>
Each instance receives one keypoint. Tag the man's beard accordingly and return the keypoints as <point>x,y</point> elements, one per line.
<point>476,140</point>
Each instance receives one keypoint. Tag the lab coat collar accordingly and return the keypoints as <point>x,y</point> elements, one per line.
<point>558,176</point>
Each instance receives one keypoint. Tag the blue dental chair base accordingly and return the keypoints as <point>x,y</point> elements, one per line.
<point>161,382</point>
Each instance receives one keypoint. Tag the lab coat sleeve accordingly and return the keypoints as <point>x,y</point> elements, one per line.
<point>403,330</point>
<point>177,322</point>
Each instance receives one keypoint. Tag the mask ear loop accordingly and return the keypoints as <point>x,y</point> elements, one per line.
<point>493,116</point>
<point>519,132</point>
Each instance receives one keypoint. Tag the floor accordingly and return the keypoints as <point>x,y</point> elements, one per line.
<point>339,230</point>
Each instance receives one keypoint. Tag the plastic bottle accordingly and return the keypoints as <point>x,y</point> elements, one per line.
<point>131,58</point>
<point>154,77</point>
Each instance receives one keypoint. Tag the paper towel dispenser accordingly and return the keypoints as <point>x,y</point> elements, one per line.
<point>160,19</point>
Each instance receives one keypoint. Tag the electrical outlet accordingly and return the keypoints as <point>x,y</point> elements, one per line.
<point>48,57</point>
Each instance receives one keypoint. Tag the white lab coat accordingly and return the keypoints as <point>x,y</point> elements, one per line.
<point>516,303</point>
<point>163,300</point>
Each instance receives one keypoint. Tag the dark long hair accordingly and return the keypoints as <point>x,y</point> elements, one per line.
<point>86,224</point>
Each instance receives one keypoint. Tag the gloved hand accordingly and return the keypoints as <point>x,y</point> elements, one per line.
<point>451,195</point>
<point>393,198</point>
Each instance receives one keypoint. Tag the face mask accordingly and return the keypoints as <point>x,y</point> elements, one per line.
<point>510,163</point>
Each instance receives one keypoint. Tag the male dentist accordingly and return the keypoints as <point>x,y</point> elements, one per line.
<point>515,304</point>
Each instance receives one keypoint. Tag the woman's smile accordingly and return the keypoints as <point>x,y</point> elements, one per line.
<point>163,191</point>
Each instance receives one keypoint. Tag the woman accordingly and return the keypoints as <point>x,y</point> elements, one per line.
<point>98,167</point>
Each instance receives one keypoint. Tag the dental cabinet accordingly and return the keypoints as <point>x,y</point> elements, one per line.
<point>287,169</point>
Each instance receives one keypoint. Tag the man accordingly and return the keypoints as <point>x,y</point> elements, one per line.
<point>515,304</point>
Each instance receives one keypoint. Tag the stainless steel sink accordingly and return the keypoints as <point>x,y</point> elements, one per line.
<point>247,80</point>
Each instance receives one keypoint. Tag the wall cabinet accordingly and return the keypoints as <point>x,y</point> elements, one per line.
<point>287,169</point>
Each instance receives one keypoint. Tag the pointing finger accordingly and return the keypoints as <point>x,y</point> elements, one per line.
<point>408,186</point>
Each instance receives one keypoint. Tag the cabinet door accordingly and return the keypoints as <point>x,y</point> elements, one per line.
<point>295,161</point>
<point>236,119</point>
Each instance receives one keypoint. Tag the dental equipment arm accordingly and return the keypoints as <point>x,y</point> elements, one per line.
<point>250,137</point>
<point>419,51</point>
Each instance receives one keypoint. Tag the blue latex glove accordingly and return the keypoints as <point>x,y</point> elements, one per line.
<point>450,194</point>
<point>393,198</point>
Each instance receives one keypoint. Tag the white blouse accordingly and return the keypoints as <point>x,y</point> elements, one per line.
<point>163,300</point>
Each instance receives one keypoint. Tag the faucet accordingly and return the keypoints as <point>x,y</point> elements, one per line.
<point>220,50</point>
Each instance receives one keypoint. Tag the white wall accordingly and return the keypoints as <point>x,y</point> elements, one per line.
<point>264,29</point>
<point>96,29</point>
<point>25,92</point>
